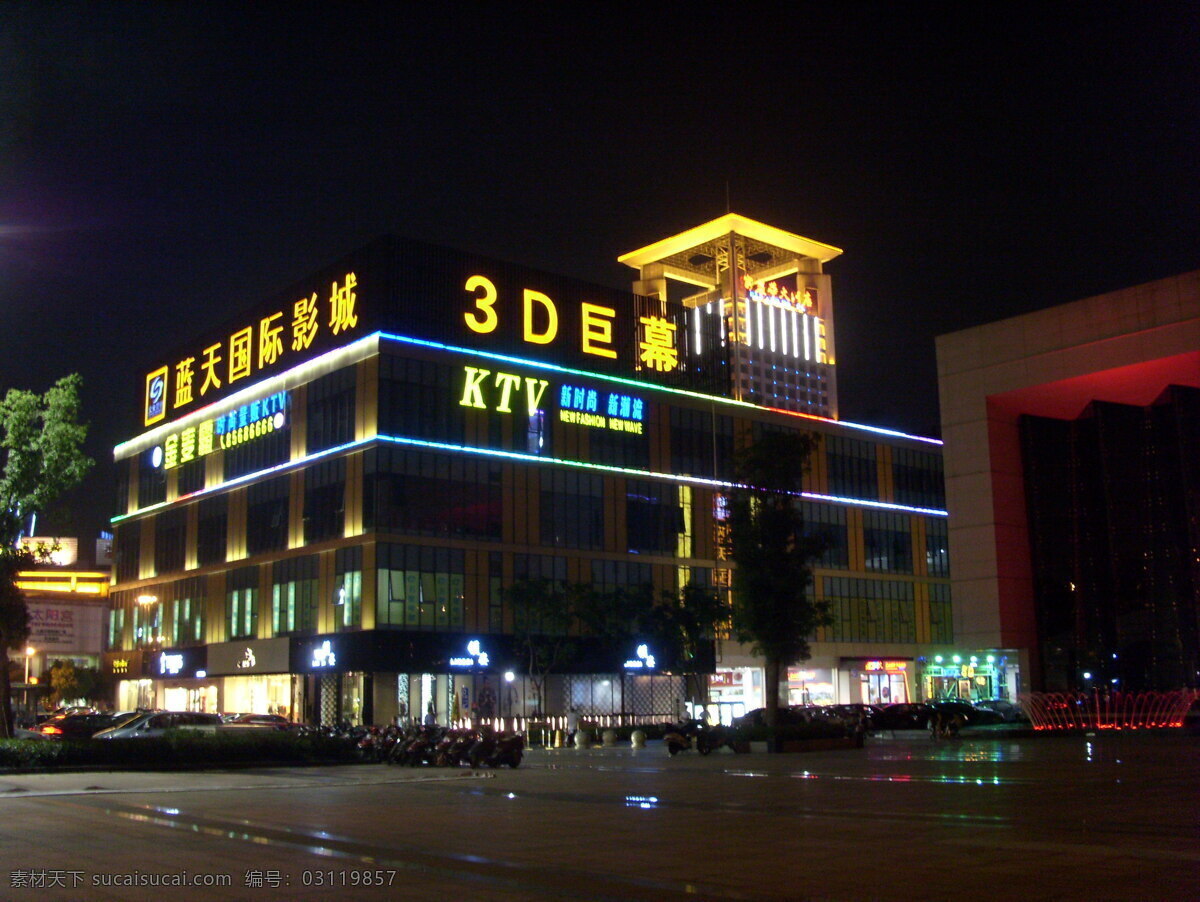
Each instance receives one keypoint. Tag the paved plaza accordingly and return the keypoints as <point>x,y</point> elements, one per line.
<point>1106,817</point>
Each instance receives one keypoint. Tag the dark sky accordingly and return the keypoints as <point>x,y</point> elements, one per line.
<point>164,165</point>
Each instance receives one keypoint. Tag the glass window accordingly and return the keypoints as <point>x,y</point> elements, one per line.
<point>324,500</point>
<point>241,604</point>
<point>419,587</point>
<point>212,520</point>
<point>887,539</point>
<point>937,547</point>
<point>294,596</point>
<point>347,588</point>
<point>267,515</point>
<point>331,409</point>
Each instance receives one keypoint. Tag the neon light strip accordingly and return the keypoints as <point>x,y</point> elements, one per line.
<point>517,456</point>
<point>330,360</point>
<point>649,386</point>
<point>759,308</point>
<point>795,335</point>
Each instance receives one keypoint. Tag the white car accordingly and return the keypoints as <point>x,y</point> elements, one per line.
<point>158,723</point>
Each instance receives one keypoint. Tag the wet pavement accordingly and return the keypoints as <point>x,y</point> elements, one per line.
<point>1114,816</point>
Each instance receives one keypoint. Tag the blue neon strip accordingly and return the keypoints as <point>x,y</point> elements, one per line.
<point>524,458</point>
<point>542,365</point>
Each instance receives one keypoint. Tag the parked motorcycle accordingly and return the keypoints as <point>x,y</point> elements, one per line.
<point>695,734</point>
<point>494,749</point>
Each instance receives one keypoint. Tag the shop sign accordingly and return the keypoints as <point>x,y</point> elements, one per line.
<point>250,421</point>
<point>795,675</point>
<point>323,655</point>
<point>803,299</point>
<point>58,627</point>
<point>255,656</point>
<point>601,409</point>
<point>280,339</point>
<point>170,664</point>
<point>643,661</point>
<point>120,665</point>
<point>496,393</point>
<point>887,666</point>
<point>725,679</point>
<point>475,656</point>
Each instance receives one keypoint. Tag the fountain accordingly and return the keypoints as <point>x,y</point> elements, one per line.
<point>1107,710</point>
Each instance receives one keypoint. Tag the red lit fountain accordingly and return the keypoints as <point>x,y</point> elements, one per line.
<point>1107,710</point>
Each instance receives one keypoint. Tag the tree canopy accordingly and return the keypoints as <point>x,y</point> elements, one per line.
<point>41,456</point>
<point>773,607</point>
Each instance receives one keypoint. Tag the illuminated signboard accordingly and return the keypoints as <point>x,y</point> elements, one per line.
<point>323,655</point>
<point>643,661</point>
<point>120,665</point>
<point>255,419</point>
<point>803,298</point>
<point>475,656</point>
<point>170,664</point>
<point>657,349</point>
<point>601,409</point>
<point>887,666</point>
<point>272,342</point>
<point>486,390</point>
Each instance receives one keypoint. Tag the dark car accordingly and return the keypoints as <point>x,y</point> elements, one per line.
<point>74,726</point>
<point>968,714</point>
<point>1009,712</point>
<point>262,721</point>
<point>902,716</point>
<point>784,716</point>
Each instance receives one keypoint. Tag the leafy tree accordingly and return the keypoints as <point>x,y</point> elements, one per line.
<point>64,684</point>
<point>41,456</point>
<point>773,608</point>
<point>681,623</point>
<point>543,615</point>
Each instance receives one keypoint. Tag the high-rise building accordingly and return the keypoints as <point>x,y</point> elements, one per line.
<point>330,496</point>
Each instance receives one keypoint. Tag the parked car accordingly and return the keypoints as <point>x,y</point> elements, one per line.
<point>1009,711</point>
<point>902,716</point>
<point>156,724</point>
<point>785,716</point>
<point>970,715</point>
<point>261,721</point>
<point>73,726</point>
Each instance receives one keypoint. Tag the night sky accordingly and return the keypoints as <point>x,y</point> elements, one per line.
<point>163,166</point>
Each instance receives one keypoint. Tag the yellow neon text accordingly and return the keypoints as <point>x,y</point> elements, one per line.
<point>540,338</point>
<point>597,330</point>
<point>485,302</point>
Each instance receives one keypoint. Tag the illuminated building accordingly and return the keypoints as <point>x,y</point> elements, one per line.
<point>330,496</point>
<point>1072,436</point>
<point>768,293</point>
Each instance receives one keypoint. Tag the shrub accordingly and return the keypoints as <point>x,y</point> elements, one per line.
<point>179,749</point>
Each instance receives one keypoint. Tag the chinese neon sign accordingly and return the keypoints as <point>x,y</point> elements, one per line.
<point>803,299</point>
<point>269,341</point>
<point>540,325</point>
<point>601,409</point>
<point>252,420</point>
<point>887,666</point>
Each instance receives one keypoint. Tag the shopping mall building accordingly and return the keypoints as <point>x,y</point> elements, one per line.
<point>330,495</point>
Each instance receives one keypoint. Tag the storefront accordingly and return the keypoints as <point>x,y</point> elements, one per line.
<point>810,685</point>
<point>979,676</point>
<point>881,681</point>
<point>735,690</point>
<point>131,672</point>
<point>256,676</point>
<point>183,682</point>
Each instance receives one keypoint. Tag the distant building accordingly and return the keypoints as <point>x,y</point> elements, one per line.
<point>1072,440</point>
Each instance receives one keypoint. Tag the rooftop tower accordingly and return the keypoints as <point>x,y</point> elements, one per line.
<point>771,296</point>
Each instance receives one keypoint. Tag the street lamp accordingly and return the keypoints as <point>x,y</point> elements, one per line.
<point>30,651</point>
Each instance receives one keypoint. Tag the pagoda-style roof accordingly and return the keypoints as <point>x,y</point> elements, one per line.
<point>697,239</point>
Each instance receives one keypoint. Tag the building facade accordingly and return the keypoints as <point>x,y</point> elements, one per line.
<point>330,496</point>
<point>1071,447</point>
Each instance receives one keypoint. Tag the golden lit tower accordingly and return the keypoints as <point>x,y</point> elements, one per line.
<point>773,300</point>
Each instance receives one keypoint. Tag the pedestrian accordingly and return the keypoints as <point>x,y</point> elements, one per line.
<point>572,724</point>
<point>431,716</point>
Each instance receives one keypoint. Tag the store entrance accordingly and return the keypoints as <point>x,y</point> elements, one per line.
<point>883,688</point>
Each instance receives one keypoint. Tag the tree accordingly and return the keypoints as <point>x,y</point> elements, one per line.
<point>677,625</point>
<point>41,445</point>
<point>773,608</point>
<point>543,614</point>
<point>64,684</point>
